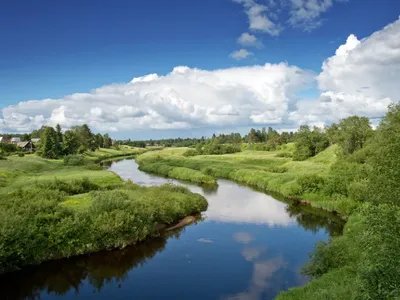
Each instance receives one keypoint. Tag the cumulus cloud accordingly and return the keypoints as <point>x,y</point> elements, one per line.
<point>305,14</point>
<point>240,54</point>
<point>361,78</point>
<point>258,18</point>
<point>184,98</point>
<point>247,39</point>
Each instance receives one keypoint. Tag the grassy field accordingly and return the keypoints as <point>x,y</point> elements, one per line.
<point>49,210</point>
<point>271,171</point>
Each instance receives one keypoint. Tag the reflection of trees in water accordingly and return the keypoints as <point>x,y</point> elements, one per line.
<point>316,219</point>
<point>59,277</point>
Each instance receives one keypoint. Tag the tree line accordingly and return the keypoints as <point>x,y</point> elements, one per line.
<point>79,139</point>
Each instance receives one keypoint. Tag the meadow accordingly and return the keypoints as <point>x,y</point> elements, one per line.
<point>51,209</point>
<point>271,171</point>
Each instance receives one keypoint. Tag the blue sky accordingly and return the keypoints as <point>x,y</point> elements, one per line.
<point>51,49</point>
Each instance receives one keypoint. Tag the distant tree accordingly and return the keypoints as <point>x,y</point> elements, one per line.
<point>85,137</point>
<point>285,137</point>
<point>107,141</point>
<point>99,140</point>
<point>38,133</point>
<point>26,137</point>
<point>309,143</point>
<point>70,142</point>
<point>48,143</point>
<point>353,133</point>
<point>264,136</point>
<point>252,136</point>
<point>59,136</point>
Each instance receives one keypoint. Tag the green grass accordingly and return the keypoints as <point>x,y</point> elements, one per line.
<point>265,170</point>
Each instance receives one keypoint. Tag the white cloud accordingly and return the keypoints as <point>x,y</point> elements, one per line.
<point>258,18</point>
<point>184,98</point>
<point>247,39</point>
<point>361,78</point>
<point>305,14</point>
<point>240,54</point>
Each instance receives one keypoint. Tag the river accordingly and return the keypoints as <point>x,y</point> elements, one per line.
<point>247,245</point>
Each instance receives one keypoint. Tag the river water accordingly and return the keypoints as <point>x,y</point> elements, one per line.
<point>247,245</point>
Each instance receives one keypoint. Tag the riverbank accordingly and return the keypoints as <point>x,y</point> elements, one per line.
<point>270,171</point>
<point>49,210</point>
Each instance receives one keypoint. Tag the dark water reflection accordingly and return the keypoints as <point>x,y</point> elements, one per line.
<point>248,246</point>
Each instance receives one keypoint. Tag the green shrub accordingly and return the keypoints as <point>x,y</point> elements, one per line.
<point>310,183</point>
<point>74,160</point>
<point>190,152</point>
<point>21,154</point>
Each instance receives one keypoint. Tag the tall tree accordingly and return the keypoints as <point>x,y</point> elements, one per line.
<point>106,141</point>
<point>48,143</point>
<point>99,140</point>
<point>85,137</point>
<point>59,136</point>
<point>70,142</point>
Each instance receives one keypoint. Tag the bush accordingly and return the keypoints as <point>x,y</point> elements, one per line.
<point>310,183</point>
<point>74,160</point>
<point>21,154</point>
<point>190,152</point>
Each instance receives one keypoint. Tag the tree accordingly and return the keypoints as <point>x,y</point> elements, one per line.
<point>59,136</point>
<point>70,142</point>
<point>48,143</point>
<point>252,136</point>
<point>85,137</point>
<point>384,158</point>
<point>303,144</point>
<point>38,133</point>
<point>353,134</point>
<point>107,141</point>
<point>99,140</point>
<point>26,137</point>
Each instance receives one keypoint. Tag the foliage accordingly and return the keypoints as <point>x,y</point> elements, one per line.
<point>40,224</point>
<point>8,148</point>
<point>49,143</point>
<point>351,134</point>
<point>190,152</point>
<point>385,160</point>
<point>309,143</point>
<point>74,160</point>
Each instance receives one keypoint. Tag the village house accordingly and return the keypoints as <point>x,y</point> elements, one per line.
<point>26,146</point>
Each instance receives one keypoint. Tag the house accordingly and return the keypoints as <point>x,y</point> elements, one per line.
<point>2,140</point>
<point>15,140</point>
<point>27,146</point>
<point>37,140</point>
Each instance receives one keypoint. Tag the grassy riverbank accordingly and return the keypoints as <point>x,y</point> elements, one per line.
<point>49,210</point>
<point>272,171</point>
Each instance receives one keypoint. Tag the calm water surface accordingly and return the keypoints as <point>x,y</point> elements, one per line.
<point>247,245</point>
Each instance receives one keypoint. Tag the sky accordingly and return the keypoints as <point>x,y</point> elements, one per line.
<point>154,69</point>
